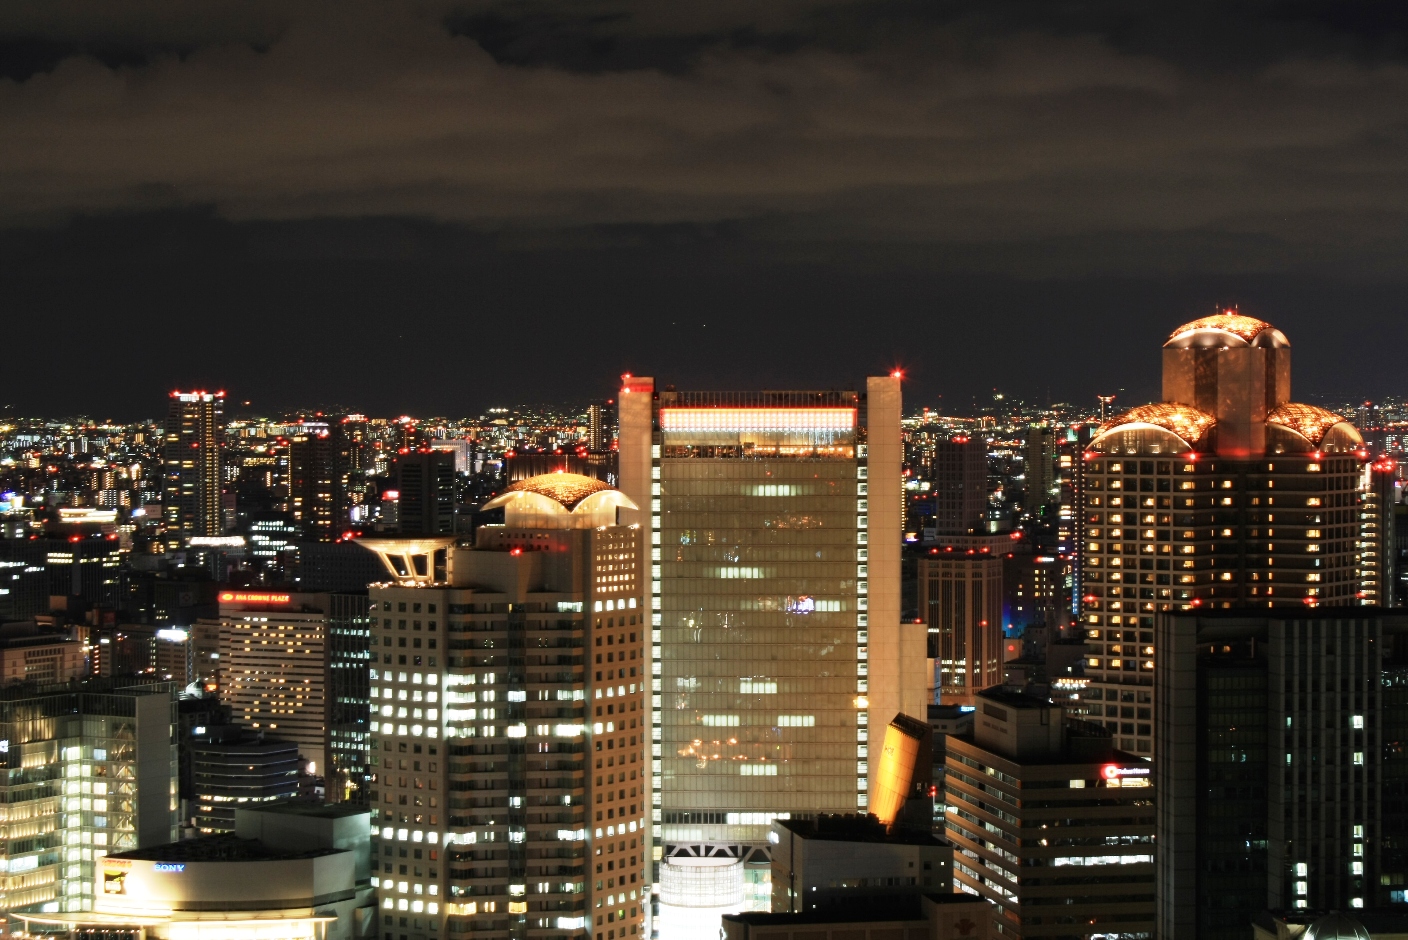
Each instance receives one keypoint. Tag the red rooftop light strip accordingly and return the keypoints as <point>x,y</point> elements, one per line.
<point>757,419</point>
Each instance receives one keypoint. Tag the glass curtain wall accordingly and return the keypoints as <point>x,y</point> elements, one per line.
<point>761,565</point>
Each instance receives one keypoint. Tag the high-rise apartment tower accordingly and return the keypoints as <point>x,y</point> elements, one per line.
<point>509,724</point>
<point>191,452</point>
<point>1225,494</point>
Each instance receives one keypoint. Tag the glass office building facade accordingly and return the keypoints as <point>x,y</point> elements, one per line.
<point>763,586</point>
<point>764,593</point>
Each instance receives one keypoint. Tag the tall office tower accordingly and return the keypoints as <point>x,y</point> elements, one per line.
<point>1378,536</point>
<point>1282,773</point>
<point>274,666</point>
<point>774,533</point>
<point>1226,494</point>
<point>354,458</point>
<point>960,478</point>
<point>426,482</point>
<point>91,770</point>
<point>1043,445</point>
<point>1051,823</point>
<point>598,435</point>
<point>509,723</point>
<point>191,453</point>
<point>316,498</point>
<point>960,602</point>
<point>348,700</point>
<point>235,768</point>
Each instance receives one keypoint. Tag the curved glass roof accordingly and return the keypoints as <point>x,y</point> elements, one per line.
<point>569,489</point>
<point>1231,325</point>
<point>1184,420</point>
<point>1337,926</point>
<point>1309,421</point>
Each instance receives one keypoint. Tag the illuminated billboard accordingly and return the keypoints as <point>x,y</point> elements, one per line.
<point>253,597</point>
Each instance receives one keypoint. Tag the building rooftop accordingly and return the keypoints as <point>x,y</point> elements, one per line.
<point>309,808</point>
<point>569,489</point>
<point>1309,421</point>
<point>898,907</point>
<point>1227,328</point>
<point>1334,925</point>
<point>1187,422</point>
<point>226,847</point>
<point>1011,699</point>
<point>856,828</point>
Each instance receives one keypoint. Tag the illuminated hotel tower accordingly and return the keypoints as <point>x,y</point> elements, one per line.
<point>509,721</point>
<point>1225,494</point>
<point>773,526</point>
<point>191,484</point>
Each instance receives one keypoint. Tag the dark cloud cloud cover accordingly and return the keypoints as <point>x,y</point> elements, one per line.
<point>836,185</point>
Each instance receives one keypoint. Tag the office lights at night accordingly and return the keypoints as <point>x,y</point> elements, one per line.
<point>745,420</point>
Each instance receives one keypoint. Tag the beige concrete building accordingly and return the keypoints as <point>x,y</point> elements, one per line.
<point>509,724</point>
<point>273,665</point>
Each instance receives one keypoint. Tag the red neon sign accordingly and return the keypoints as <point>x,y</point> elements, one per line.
<point>246,597</point>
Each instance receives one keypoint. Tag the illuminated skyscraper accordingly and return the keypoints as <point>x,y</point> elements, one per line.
<point>509,724</point>
<point>1225,494</point>
<point>1043,493</point>
<point>191,452</point>
<point>773,523</point>
<point>1378,534</point>
<point>598,435</point>
<point>315,491</point>
<point>274,666</point>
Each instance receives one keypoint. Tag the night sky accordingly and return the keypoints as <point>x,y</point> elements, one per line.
<point>421,207</point>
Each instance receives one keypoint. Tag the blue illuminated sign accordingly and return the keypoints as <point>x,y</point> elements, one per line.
<point>168,866</point>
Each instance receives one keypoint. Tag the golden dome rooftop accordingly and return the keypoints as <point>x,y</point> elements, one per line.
<point>1309,421</point>
<point>569,489</point>
<point>1187,422</point>
<point>1228,328</point>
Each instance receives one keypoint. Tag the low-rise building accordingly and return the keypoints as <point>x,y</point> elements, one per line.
<point>295,872</point>
<point>937,916</point>
<point>26,655</point>
<point>837,861</point>
<point>1050,822</point>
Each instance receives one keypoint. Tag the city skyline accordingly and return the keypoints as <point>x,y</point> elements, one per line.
<point>630,470</point>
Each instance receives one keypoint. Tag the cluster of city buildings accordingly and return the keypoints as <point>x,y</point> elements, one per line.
<point>766,663</point>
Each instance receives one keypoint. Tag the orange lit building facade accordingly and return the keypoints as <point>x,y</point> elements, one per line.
<point>1225,494</point>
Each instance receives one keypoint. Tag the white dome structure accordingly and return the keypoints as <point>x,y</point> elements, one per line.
<point>560,501</point>
<point>1337,926</point>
